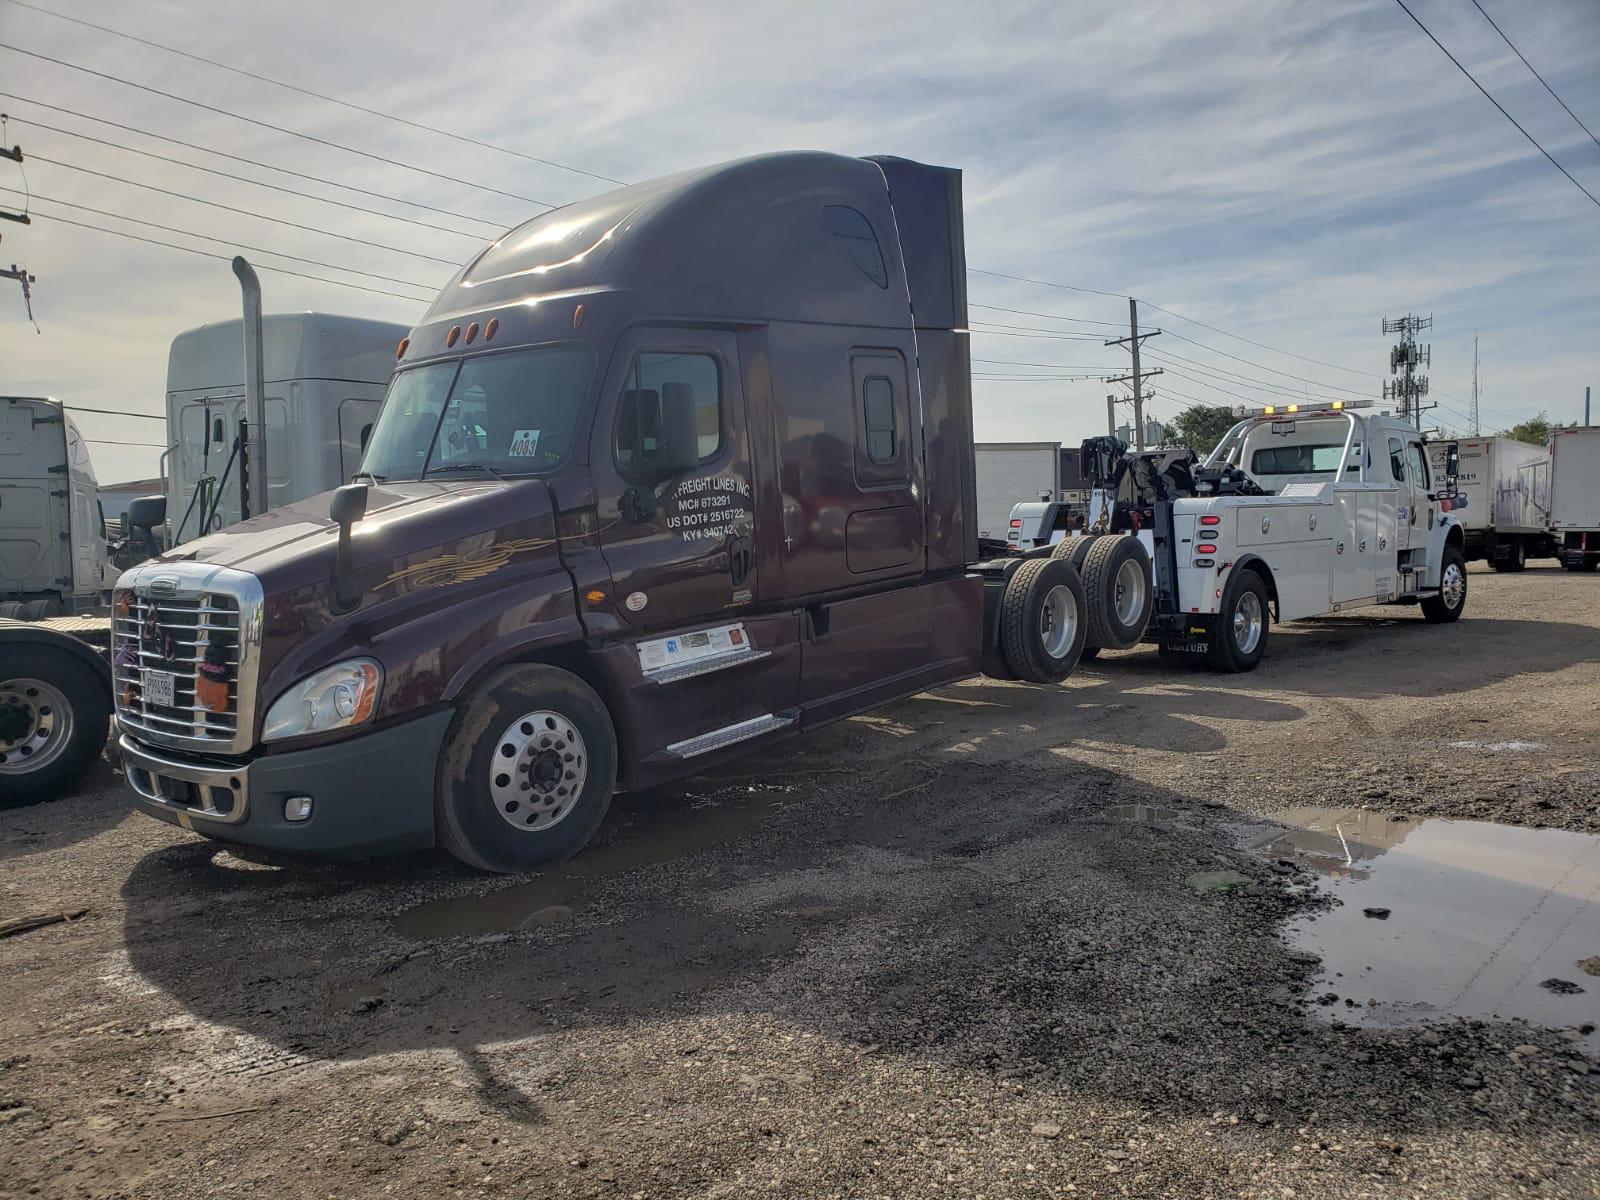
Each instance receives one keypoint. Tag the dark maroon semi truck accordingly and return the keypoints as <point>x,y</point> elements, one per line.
<point>661,477</point>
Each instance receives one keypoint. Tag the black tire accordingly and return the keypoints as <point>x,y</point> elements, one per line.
<point>1117,576</point>
<point>1448,605</point>
<point>1041,620</point>
<point>1233,647</point>
<point>11,610</point>
<point>1074,549</point>
<point>41,610</point>
<point>47,743</point>
<point>490,812</point>
<point>1516,558</point>
<point>1090,653</point>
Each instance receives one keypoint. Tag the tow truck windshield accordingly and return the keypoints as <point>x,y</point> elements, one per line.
<point>503,414</point>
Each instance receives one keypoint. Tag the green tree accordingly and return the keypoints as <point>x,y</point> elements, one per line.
<point>1201,427</point>
<point>1535,430</point>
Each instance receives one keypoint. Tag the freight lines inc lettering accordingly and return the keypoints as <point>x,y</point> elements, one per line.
<point>709,508</point>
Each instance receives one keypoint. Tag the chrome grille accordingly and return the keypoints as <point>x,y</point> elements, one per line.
<point>196,607</point>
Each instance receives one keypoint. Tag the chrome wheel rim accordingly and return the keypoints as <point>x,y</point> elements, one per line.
<point>1247,621</point>
<point>538,771</point>
<point>35,725</point>
<point>1058,621</point>
<point>1454,585</point>
<point>1128,592</point>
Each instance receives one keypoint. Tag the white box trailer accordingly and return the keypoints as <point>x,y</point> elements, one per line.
<point>1575,495</point>
<point>325,377</point>
<point>1009,473</point>
<point>1506,484</point>
<point>53,555</point>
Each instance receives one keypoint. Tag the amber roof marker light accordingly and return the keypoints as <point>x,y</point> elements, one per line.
<point>577,316</point>
<point>452,337</point>
<point>400,350</point>
<point>472,332</point>
<point>490,329</point>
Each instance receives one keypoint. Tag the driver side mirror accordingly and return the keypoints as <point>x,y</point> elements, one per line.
<point>144,514</point>
<point>662,434</point>
<point>1452,461</point>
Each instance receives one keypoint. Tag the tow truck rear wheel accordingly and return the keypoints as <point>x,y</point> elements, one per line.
<point>1041,620</point>
<point>1116,578</point>
<point>527,772</point>
<point>1242,623</point>
<point>1452,597</point>
<point>54,713</point>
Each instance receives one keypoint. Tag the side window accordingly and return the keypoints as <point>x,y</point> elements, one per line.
<point>854,234</point>
<point>877,403</point>
<point>1419,465</point>
<point>639,410</point>
<point>1397,460</point>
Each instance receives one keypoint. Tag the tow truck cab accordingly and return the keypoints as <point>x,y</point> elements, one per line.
<point>1331,508</point>
<point>659,474</point>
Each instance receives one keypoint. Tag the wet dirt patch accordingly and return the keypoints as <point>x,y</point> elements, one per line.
<point>663,827</point>
<point>1438,918</point>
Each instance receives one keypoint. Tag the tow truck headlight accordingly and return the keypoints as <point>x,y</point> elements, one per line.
<point>333,698</point>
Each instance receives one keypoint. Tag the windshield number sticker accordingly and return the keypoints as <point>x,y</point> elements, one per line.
<point>524,443</point>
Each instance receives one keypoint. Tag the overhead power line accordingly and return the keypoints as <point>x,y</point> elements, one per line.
<point>1023,312</point>
<point>1004,330</point>
<point>245,212</point>
<point>350,104</point>
<point>1536,75</point>
<point>116,412</point>
<point>360,208</point>
<point>1066,287</point>
<point>309,137</point>
<point>161,137</point>
<point>1593,199</point>
<point>360,287</point>
<point>110,442</point>
<point>237,245</point>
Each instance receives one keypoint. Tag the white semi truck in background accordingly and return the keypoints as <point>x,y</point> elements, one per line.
<point>1575,495</point>
<point>324,379</point>
<point>53,554</point>
<point>1505,486</point>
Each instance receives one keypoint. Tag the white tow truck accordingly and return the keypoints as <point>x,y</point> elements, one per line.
<point>1298,512</point>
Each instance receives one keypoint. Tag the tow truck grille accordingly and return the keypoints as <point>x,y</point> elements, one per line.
<point>183,661</point>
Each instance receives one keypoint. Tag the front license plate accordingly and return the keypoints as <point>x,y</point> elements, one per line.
<point>158,688</point>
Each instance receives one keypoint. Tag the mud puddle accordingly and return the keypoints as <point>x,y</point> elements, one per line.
<point>652,829</point>
<point>1145,814</point>
<point>1448,918</point>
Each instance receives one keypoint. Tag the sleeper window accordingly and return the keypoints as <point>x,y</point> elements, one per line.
<point>877,402</point>
<point>639,413</point>
<point>855,237</point>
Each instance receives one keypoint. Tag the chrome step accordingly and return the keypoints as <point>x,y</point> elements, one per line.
<point>705,666</point>
<point>729,735</point>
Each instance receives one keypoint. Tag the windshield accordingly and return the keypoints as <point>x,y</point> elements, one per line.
<point>501,414</point>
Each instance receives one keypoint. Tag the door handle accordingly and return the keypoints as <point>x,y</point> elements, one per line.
<point>741,559</point>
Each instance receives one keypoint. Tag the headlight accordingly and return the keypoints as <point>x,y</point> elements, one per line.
<point>343,694</point>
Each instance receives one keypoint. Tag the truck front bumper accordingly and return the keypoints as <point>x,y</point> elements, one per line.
<point>370,794</point>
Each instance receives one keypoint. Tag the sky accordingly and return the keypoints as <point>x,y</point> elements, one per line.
<point>1289,174</point>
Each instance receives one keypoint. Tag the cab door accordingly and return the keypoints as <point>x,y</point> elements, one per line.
<point>679,550</point>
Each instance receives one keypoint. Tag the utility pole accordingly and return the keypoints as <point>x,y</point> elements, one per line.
<point>1133,341</point>
<point>1111,414</point>
<point>1405,357</point>
<point>1474,385</point>
<point>20,274</point>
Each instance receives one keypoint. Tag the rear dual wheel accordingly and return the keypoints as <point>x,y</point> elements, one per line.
<point>1117,581</point>
<point>1041,620</point>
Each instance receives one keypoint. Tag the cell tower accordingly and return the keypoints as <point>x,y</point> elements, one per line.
<point>1475,385</point>
<point>1408,388</point>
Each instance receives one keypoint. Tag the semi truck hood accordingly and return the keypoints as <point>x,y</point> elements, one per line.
<point>411,533</point>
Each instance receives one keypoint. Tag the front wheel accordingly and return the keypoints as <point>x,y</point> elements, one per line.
<point>1452,597</point>
<point>528,770</point>
<point>1239,639</point>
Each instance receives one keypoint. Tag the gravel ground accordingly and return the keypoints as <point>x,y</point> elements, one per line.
<point>915,954</point>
